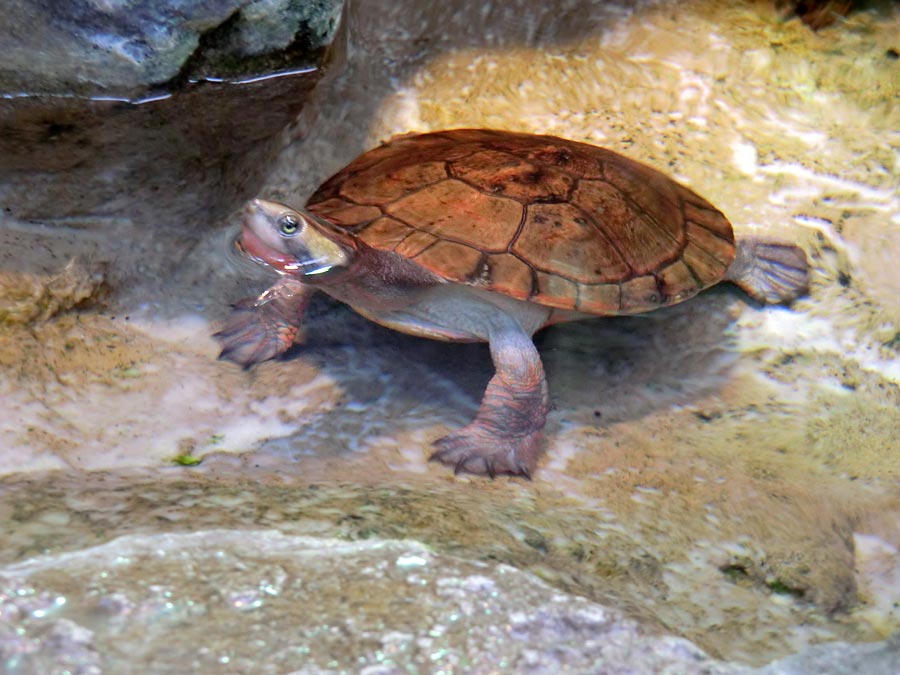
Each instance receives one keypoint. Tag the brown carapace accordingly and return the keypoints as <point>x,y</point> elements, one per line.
<point>537,218</point>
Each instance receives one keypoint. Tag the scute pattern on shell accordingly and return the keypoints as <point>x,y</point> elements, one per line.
<point>538,218</point>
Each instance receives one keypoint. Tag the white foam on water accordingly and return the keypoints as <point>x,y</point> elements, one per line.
<point>791,332</point>
<point>745,156</point>
<point>402,113</point>
<point>810,182</point>
<point>187,329</point>
<point>175,402</point>
<point>878,566</point>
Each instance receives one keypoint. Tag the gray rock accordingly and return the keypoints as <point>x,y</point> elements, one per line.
<point>120,47</point>
<point>226,601</point>
<point>92,152</point>
<point>841,658</point>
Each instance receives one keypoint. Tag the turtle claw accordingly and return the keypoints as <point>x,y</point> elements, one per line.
<point>476,450</point>
<point>460,466</point>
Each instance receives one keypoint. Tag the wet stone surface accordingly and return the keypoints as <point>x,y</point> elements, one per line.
<point>238,602</point>
<point>599,553</point>
<point>719,476</point>
<point>122,49</point>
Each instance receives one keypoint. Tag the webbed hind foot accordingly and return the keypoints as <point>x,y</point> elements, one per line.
<point>770,271</point>
<point>505,436</point>
<point>476,449</point>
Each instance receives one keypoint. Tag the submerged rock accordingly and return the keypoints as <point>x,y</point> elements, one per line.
<point>841,658</point>
<point>218,601</point>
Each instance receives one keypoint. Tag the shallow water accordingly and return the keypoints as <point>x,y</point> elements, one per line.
<point>719,471</point>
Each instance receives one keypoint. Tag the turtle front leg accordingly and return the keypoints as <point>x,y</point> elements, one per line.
<point>504,438</point>
<point>261,328</point>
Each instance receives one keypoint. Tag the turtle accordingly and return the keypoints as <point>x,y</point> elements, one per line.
<point>481,235</point>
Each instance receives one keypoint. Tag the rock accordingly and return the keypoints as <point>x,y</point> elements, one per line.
<point>140,125</point>
<point>240,601</point>
<point>28,298</point>
<point>841,658</point>
<point>119,47</point>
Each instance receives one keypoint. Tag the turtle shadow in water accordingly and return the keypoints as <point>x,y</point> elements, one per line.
<point>600,371</point>
<point>616,369</point>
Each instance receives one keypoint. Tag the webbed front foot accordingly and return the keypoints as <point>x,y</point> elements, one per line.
<point>262,328</point>
<point>254,334</point>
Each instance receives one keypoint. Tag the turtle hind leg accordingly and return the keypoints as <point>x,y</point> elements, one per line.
<point>770,271</point>
<point>505,436</point>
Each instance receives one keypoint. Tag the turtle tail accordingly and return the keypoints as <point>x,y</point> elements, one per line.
<point>770,271</point>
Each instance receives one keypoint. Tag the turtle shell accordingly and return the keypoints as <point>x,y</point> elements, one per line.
<point>537,218</point>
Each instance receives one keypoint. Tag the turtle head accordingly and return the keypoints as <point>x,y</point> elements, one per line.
<point>293,241</point>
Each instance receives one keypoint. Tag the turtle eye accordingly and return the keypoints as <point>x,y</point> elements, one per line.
<point>288,225</point>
